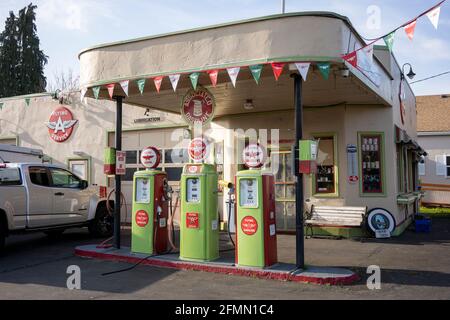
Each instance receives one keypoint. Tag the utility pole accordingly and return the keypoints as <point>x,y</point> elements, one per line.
<point>283,6</point>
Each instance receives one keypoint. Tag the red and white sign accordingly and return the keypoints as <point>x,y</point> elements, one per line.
<point>249,225</point>
<point>121,157</point>
<point>193,169</point>
<point>192,220</point>
<point>198,149</point>
<point>150,157</point>
<point>198,106</point>
<point>60,125</point>
<point>141,218</point>
<point>254,156</point>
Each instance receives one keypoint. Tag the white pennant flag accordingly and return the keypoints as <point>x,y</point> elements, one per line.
<point>83,94</point>
<point>233,73</point>
<point>124,85</point>
<point>174,78</point>
<point>303,68</point>
<point>433,15</point>
<point>369,52</point>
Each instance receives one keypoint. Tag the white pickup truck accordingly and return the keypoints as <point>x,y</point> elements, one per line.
<point>48,198</point>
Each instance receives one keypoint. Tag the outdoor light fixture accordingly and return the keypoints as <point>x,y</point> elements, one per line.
<point>345,73</point>
<point>410,74</point>
<point>248,105</point>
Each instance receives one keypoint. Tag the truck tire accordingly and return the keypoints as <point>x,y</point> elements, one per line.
<point>103,224</point>
<point>2,236</point>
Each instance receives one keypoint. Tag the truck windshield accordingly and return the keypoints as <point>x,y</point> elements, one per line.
<point>10,177</point>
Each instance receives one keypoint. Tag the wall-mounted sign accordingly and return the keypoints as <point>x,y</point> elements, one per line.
<point>198,106</point>
<point>60,125</point>
<point>198,149</point>
<point>352,163</point>
<point>121,157</point>
<point>254,155</point>
<point>150,157</point>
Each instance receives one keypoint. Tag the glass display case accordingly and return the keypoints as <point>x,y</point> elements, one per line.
<point>371,163</point>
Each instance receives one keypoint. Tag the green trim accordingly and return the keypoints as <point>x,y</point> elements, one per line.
<point>343,232</point>
<point>383,165</point>
<point>34,95</point>
<point>381,47</point>
<point>336,166</point>
<point>88,159</point>
<point>400,229</point>
<point>149,127</point>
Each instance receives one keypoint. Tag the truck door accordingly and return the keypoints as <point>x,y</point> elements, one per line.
<point>70,202</point>
<point>40,206</point>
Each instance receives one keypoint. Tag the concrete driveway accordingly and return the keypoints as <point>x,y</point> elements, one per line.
<point>414,266</point>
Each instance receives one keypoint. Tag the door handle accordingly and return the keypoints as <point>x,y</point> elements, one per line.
<point>59,194</point>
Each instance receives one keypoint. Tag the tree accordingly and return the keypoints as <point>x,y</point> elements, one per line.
<point>21,60</point>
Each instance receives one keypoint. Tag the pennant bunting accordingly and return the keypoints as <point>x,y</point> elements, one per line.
<point>194,79</point>
<point>369,52</point>
<point>433,15</point>
<point>27,101</point>
<point>110,88</point>
<point>277,69</point>
<point>96,91</point>
<point>303,68</point>
<point>213,75</point>
<point>125,84</point>
<point>141,84</point>
<point>1,105</point>
<point>410,28</point>
<point>83,94</point>
<point>389,40</point>
<point>256,71</point>
<point>351,58</point>
<point>174,78</point>
<point>158,82</point>
<point>324,68</point>
<point>233,74</point>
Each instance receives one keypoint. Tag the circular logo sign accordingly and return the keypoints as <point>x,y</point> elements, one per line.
<point>249,225</point>
<point>254,156</point>
<point>198,106</point>
<point>381,219</point>
<point>197,149</point>
<point>150,157</point>
<point>141,218</point>
<point>60,125</point>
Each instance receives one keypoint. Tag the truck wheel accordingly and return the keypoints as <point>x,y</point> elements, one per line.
<point>103,224</point>
<point>2,236</point>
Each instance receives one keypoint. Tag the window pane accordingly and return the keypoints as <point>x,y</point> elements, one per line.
<point>290,191</point>
<point>279,191</point>
<point>290,215</point>
<point>279,214</point>
<point>276,160</point>
<point>131,157</point>
<point>39,176</point>
<point>174,174</point>
<point>64,179</point>
<point>448,171</point>
<point>10,176</point>
<point>325,177</point>
<point>448,161</point>
<point>176,156</point>
<point>129,173</point>
<point>371,164</point>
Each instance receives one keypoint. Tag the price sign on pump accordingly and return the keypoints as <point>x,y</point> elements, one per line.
<point>150,157</point>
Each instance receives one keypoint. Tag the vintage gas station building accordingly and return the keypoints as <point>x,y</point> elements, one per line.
<point>346,108</point>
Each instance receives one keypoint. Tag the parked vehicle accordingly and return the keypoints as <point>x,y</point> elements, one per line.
<point>48,198</point>
<point>9,153</point>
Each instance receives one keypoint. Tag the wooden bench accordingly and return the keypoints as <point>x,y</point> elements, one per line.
<point>336,217</point>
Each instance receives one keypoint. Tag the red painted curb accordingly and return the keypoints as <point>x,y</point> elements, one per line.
<point>261,274</point>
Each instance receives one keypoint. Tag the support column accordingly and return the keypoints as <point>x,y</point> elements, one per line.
<point>118,178</point>
<point>299,201</point>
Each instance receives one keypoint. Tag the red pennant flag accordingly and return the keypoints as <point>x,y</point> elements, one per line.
<point>213,74</point>
<point>158,81</point>
<point>409,29</point>
<point>277,68</point>
<point>110,88</point>
<point>351,58</point>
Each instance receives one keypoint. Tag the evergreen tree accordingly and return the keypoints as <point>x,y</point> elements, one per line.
<point>9,58</point>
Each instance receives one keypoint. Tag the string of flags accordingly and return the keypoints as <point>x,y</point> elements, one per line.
<point>409,27</point>
<point>233,73</point>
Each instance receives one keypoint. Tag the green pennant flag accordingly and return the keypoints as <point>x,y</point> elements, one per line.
<point>389,40</point>
<point>1,105</point>
<point>141,84</point>
<point>27,101</point>
<point>194,79</point>
<point>256,71</point>
<point>324,68</point>
<point>96,91</point>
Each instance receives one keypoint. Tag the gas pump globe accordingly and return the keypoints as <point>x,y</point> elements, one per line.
<point>256,244</point>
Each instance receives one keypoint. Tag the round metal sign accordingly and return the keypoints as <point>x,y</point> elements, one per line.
<point>198,149</point>
<point>254,156</point>
<point>380,219</point>
<point>198,106</point>
<point>150,157</point>
<point>60,125</point>
<point>249,225</point>
<point>141,218</point>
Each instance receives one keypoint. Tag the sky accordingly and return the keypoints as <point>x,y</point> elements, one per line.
<point>65,27</point>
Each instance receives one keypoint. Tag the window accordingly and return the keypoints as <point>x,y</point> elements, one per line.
<point>371,163</point>
<point>448,165</point>
<point>64,179</point>
<point>10,177</point>
<point>422,166</point>
<point>325,180</point>
<point>39,176</point>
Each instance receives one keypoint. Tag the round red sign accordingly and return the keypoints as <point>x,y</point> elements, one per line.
<point>150,157</point>
<point>249,225</point>
<point>60,125</point>
<point>254,156</point>
<point>198,106</point>
<point>141,218</point>
<point>197,149</point>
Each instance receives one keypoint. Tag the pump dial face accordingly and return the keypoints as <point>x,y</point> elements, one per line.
<point>150,157</point>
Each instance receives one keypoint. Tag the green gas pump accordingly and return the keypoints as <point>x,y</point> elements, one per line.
<point>199,220</point>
